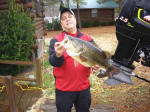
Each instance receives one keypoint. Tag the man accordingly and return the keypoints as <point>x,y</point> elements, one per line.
<point>71,81</point>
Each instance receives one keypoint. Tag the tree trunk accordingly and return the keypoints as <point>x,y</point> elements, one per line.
<point>78,13</point>
<point>68,3</point>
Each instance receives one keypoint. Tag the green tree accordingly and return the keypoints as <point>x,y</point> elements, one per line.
<point>16,37</point>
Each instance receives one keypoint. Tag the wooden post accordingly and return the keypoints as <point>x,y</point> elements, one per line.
<point>11,94</point>
<point>38,72</point>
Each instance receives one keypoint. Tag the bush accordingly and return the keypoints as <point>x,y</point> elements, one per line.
<point>103,23</point>
<point>55,25</point>
<point>86,24</point>
<point>16,37</point>
<point>112,22</point>
<point>96,23</point>
<point>107,23</point>
<point>48,25</point>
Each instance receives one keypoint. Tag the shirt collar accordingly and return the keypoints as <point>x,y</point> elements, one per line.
<point>78,33</point>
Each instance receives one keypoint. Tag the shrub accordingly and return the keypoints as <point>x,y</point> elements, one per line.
<point>112,22</point>
<point>104,23</point>
<point>96,23</point>
<point>86,24</point>
<point>48,25</point>
<point>16,37</point>
<point>107,23</point>
<point>54,25</point>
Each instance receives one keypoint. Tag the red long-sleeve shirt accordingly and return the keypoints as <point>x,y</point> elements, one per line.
<point>69,77</point>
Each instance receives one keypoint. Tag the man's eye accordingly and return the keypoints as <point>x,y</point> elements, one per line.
<point>70,16</point>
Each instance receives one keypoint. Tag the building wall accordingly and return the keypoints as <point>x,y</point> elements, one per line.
<point>104,15</point>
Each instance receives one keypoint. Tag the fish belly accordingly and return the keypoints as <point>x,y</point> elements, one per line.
<point>85,63</point>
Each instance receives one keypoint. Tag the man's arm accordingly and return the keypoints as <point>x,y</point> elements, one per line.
<point>53,59</point>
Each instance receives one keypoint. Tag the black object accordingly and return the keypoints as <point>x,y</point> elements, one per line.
<point>132,33</point>
<point>66,99</point>
<point>146,80</point>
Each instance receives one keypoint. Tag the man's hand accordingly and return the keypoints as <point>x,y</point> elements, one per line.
<point>59,49</point>
<point>94,68</point>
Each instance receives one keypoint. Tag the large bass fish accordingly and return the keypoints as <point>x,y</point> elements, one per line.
<point>87,54</point>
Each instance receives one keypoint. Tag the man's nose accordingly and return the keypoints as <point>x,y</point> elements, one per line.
<point>67,18</point>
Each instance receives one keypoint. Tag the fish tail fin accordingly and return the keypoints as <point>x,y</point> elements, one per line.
<point>107,54</point>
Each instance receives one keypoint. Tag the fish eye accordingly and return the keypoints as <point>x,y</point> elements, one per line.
<point>65,41</point>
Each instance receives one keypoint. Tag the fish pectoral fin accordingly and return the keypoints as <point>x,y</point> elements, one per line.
<point>82,58</point>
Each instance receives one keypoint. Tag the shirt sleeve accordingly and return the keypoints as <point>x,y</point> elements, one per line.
<point>53,59</point>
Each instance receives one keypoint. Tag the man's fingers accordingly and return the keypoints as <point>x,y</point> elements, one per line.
<point>95,67</point>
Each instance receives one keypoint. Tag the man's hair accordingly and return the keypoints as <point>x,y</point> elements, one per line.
<point>63,10</point>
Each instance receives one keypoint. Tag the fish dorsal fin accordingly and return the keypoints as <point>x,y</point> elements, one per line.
<point>107,54</point>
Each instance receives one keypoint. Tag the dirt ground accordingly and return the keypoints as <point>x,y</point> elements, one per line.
<point>121,98</point>
<point>125,98</point>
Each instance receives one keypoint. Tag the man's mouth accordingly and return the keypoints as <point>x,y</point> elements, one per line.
<point>69,23</point>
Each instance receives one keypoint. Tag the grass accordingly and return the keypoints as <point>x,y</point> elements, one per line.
<point>100,91</point>
<point>45,64</point>
<point>123,96</point>
<point>48,80</point>
<point>47,75</point>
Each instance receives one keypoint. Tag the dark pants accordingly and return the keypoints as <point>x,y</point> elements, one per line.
<point>65,100</point>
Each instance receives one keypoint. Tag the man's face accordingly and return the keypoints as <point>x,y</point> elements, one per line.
<point>68,21</point>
